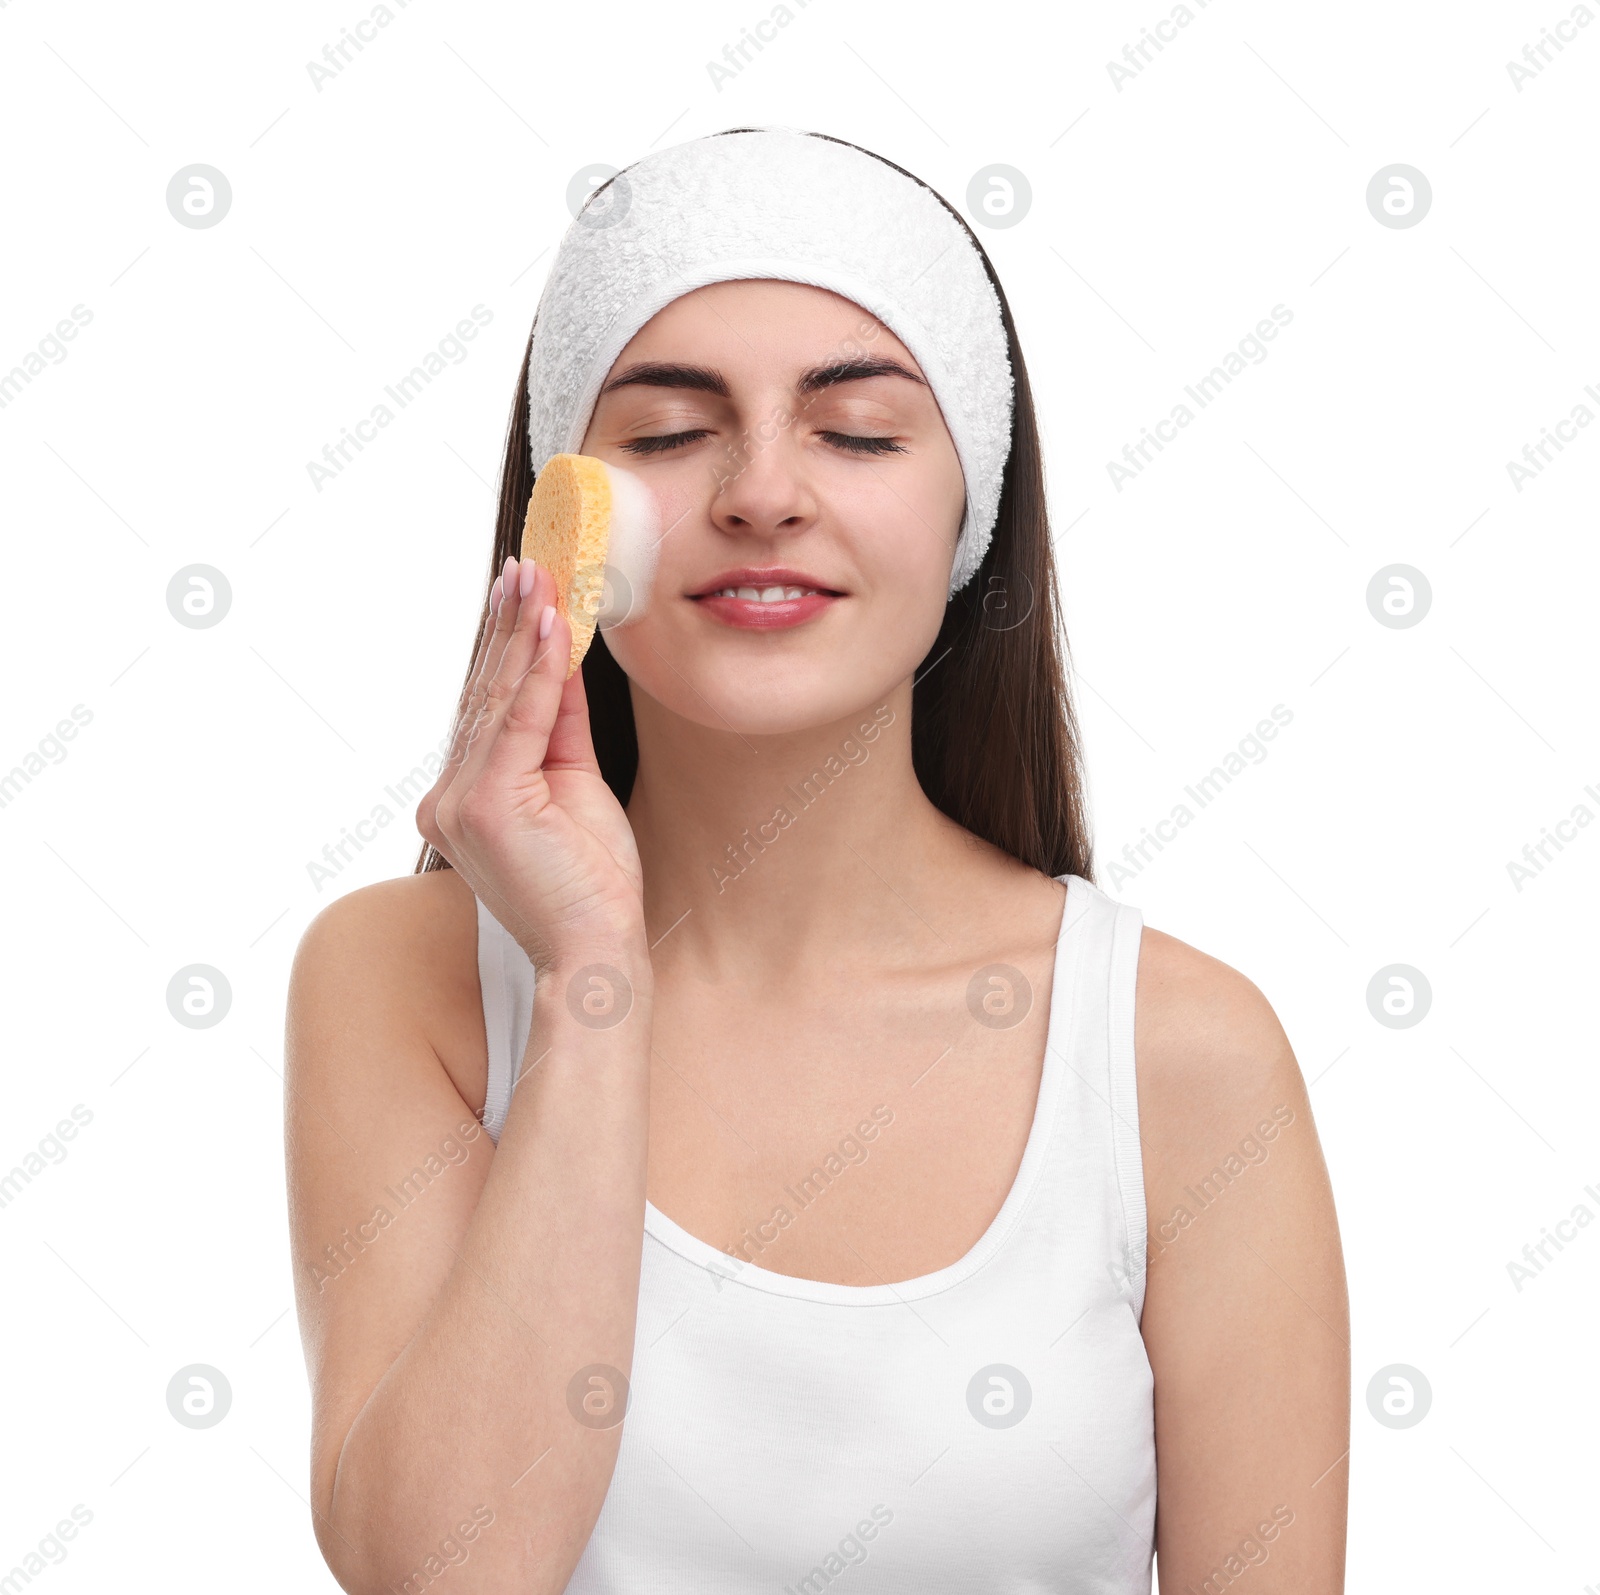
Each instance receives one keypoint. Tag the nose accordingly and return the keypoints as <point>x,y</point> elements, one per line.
<point>762,484</point>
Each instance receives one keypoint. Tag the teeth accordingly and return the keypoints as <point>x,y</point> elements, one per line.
<point>766,595</point>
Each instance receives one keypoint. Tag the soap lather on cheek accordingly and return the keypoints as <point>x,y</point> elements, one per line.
<point>633,549</point>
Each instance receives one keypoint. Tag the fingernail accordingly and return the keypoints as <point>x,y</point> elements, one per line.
<point>546,621</point>
<point>525,581</point>
<point>494,598</point>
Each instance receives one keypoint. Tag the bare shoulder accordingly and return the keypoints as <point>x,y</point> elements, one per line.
<point>404,947</point>
<point>382,1031</point>
<point>1208,1045</point>
<point>1246,1315</point>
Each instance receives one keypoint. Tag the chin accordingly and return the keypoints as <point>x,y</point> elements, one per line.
<point>741,691</point>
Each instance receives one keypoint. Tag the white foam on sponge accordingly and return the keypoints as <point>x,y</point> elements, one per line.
<point>632,549</point>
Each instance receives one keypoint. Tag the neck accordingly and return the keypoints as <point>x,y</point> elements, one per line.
<point>759,850</point>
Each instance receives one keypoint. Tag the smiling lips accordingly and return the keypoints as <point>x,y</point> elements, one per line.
<point>763,600</point>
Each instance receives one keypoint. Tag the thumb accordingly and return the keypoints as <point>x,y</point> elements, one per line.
<point>571,745</point>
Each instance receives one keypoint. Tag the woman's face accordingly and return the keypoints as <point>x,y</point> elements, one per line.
<point>790,440</point>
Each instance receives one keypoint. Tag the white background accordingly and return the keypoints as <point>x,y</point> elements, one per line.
<point>1168,216</point>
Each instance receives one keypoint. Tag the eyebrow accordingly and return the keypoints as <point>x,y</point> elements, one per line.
<point>703,379</point>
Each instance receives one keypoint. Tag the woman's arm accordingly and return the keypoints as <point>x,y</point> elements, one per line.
<point>467,1285</point>
<point>1246,1317</point>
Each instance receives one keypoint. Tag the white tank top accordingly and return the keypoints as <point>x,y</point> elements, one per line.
<point>985,1427</point>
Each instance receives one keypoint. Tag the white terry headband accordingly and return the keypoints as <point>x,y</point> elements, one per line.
<point>779,203</point>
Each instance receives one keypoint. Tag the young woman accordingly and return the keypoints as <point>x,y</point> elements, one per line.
<point>752,1152</point>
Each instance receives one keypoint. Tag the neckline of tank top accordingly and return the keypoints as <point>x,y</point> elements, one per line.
<point>1063,1013</point>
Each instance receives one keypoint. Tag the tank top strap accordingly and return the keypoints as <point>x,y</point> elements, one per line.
<point>1096,1145</point>
<point>506,975</point>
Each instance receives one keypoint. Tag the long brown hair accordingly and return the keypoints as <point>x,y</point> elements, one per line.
<point>994,740</point>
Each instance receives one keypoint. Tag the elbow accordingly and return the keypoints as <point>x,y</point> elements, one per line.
<point>349,1534</point>
<point>352,1568</point>
<point>368,1557</point>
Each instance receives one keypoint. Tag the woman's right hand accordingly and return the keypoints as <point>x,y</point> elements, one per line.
<point>520,809</point>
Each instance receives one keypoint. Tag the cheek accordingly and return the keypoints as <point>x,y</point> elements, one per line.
<point>680,499</point>
<point>904,538</point>
<point>640,560</point>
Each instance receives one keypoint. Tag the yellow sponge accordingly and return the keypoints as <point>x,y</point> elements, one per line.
<point>568,530</point>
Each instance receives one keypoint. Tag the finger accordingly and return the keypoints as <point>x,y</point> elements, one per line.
<point>439,816</point>
<point>470,704</point>
<point>503,760</point>
<point>572,738</point>
<point>509,658</point>
<point>469,707</point>
<point>479,705</point>
<point>522,736</point>
<point>471,693</point>
<point>509,655</point>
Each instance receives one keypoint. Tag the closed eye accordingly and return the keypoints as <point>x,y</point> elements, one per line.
<point>845,441</point>
<point>660,445</point>
<point>864,445</point>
